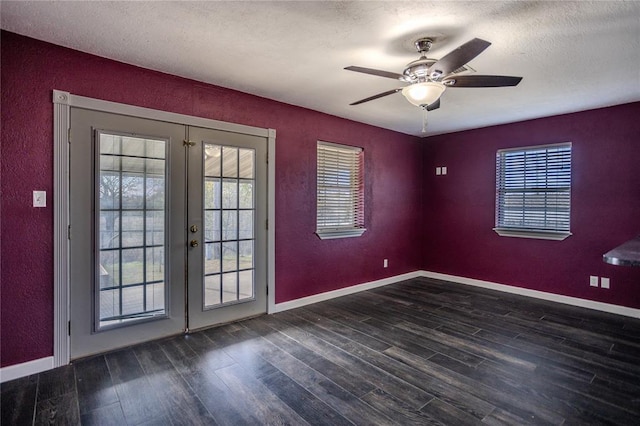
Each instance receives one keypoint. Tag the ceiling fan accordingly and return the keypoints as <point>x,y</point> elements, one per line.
<point>428,78</point>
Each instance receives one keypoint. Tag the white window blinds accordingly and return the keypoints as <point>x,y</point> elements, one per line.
<point>533,191</point>
<point>340,196</point>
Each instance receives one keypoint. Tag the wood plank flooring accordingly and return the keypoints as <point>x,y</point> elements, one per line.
<point>420,352</point>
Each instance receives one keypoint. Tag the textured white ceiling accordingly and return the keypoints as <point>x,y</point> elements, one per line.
<point>573,55</point>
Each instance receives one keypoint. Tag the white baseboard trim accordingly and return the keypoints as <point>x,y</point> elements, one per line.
<point>25,369</point>
<point>567,300</point>
<point>536,294</point>
<point>297,303</point>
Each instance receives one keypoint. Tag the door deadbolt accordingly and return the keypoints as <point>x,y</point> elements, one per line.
<point>194,228</point>
<point>194,243</point>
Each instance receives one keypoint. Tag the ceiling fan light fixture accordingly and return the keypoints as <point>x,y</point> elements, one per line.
<point>426,93</point>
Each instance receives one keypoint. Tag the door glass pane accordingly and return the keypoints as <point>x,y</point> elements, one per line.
<point>131,266</point>
<point>131,221</point>
<point>109,303</point>
<point>245,255</point>
<point>245,284</point>
<point>230,256</point>
<point>229,161</point>
<point>132,228</point>
<point>155,264</point>
<point>246,224</point>
<point>133,300</point>
<point>155,296</point>
<point>155,228</point>
<point>212,258</point>
<point>229,225</point>
<point>245,168</point>
<point>131,190</point>
<point>230,193</point>
<point>109,229</point>
<point>155,191</point>
<point>229,287</point>
<point>212,193</point>
<point>212,225</point>
<point>212,160</point>
<point>212,293</point>
<point>245,194</point>
<point>229,215</point>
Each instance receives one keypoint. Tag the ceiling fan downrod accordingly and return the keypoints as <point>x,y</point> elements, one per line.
<point>424,119</point>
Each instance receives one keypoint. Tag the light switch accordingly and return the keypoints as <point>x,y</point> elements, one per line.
<point>593,281</point>
<point>39,198</point>
<point>438,171</point>
<point>604,282</point>
<point>444,170</point>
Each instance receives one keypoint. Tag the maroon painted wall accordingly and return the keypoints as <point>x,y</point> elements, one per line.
<point>605,206</point>
<point>305,265</point>
<point>451,232</point>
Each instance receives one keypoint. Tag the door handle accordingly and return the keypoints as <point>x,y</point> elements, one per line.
<point>194,229</point>
<point>194,243</point>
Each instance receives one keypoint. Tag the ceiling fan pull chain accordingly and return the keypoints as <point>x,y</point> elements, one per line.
<point>424,119</point>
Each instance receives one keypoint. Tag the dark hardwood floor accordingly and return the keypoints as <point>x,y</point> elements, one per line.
<point>417,352</point>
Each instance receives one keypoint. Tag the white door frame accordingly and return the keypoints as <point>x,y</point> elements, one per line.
<point>62,103</point>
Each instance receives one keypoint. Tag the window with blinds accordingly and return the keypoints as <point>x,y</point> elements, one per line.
<point>340,196</point>
<point>533,191</point>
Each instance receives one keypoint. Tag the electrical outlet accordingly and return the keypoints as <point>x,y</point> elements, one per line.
<point>385,263</point>
<point>593,281</point>
<point>604,282</point>
<point>39,198</point>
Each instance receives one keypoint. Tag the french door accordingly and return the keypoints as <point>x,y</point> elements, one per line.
<point>167,229</point>
<point>226,226</point>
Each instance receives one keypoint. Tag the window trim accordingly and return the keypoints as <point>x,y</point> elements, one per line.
<point>328,233</point>
<point>339,233</point>
<point>538,235</point>
<point>542,234</point>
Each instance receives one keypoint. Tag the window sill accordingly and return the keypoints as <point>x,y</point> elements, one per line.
<point>539,235</point>
<point>340,233</point>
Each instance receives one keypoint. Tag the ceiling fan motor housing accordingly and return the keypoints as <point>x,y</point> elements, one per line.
<point>418,70</point>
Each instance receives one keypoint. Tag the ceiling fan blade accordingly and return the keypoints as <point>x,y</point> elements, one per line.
<point>482,81</point>
<point>379,73</point>
<point>458,57</point>
<point>434,105</point>
<point>379,95</point>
